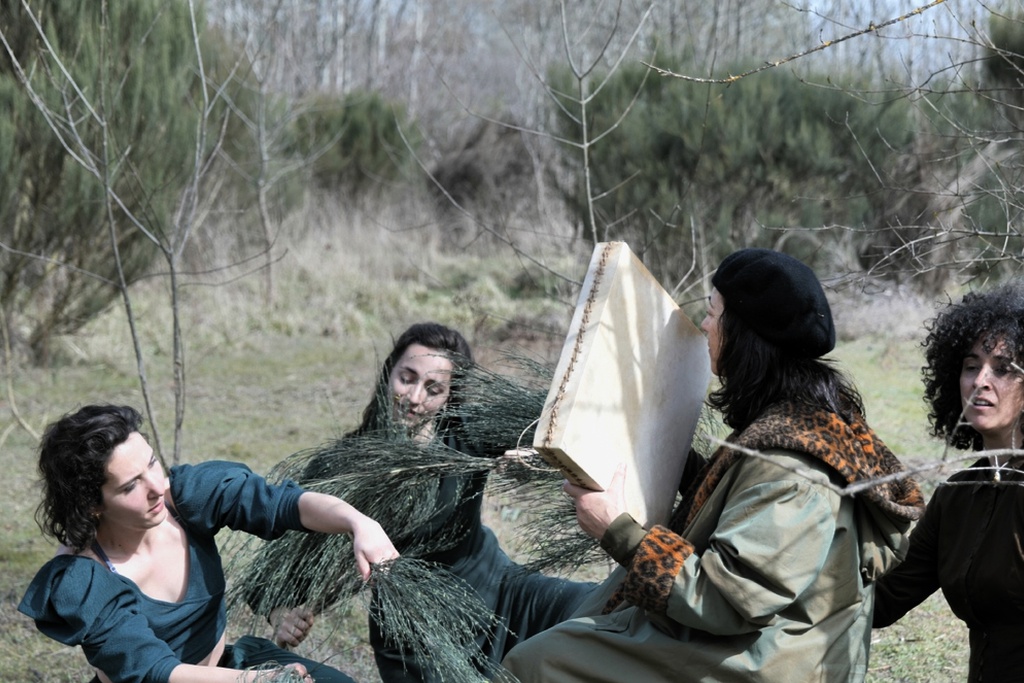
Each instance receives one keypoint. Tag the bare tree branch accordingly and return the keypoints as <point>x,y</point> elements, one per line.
<point>872,28</point>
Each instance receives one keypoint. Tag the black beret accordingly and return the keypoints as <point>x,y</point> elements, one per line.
<point>779,298</point>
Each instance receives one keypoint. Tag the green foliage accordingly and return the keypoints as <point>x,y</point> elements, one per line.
<point>996,211</point>
<point>767,150</point>
<point>355,141</point>
<point>134,72</point>
<point>434,615</point>
<point>1005,60</point>
<point>988,241</point>
<point>954,199</point>
<point>394,480</point>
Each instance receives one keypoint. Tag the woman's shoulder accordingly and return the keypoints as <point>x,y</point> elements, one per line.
<point>195,485</point>
<point>206,473</point>
<point>77,601</point>
<point>68,587</point>
<point>785,464</point>
<point>213,494</point>
<point>70,567</point>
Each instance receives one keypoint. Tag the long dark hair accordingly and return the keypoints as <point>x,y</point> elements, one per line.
<point>992,317</point>
<point>434,336</point>
<point>756,374</point>
<point>73,456</point>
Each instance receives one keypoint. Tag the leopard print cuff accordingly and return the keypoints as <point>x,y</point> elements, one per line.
<point>654,569</point>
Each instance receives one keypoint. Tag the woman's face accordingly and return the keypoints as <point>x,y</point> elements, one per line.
<point>992,393</point>
<point>420,384</point>
<point>133,493</point>
<point>712,327</point>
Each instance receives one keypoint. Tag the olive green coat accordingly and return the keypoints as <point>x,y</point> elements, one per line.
<point>774,584</point>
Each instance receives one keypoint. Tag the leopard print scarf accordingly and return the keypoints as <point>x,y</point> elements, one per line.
<point>851,449</point>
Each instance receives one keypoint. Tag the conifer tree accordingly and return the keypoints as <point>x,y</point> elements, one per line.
<point>129,69</point>
<point>763,152</point>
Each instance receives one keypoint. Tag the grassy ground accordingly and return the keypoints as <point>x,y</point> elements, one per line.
<point>262,389</point>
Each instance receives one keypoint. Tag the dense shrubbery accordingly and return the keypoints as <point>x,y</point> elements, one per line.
<point>355,141</point>
<point>138,73</point>
<point>1005,60</point>
<point>735,161</point>
<point>837,173</point>
<point>58,268</point>
<point>847,174</point>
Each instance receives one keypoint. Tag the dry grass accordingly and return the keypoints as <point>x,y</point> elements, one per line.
<point>263,383</point>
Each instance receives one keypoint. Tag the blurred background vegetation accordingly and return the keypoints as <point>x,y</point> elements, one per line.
<point>203,134</point>
<point>222,210</point>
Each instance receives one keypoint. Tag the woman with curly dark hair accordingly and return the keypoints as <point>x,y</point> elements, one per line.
<point>138,583</point>
<point>969,541</point>
<point>766,569</point>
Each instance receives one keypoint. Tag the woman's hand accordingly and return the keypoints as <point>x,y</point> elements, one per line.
<point>202,673</point>
<point>291,625</point>
<point>371,545</point>
<point>320,512</point>
<point>301,671</point>
<point>596,510</point>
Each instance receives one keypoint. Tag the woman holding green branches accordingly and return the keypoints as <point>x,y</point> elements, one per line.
<point>138,583</point>
<point>418,396</point>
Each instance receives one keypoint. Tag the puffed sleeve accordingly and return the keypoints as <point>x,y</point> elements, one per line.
<point>216,494</point>
<point>76,601</point>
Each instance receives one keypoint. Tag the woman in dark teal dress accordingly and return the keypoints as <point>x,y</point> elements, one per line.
<point>138,583</point>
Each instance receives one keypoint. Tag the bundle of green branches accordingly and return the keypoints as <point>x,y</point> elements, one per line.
<point>437,616</point>
<point>498,412</point>
<point>398,481</point>
<point>392,480</point>
<point>552,539</point>
<point>272,673</point>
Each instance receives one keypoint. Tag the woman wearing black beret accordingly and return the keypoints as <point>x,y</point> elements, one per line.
<point>766,570</point>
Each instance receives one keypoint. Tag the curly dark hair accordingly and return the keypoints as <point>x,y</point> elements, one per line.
<point>756,374</point>
<point>991,317</point>
<point>377,413</point>
<point>73,455</point>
